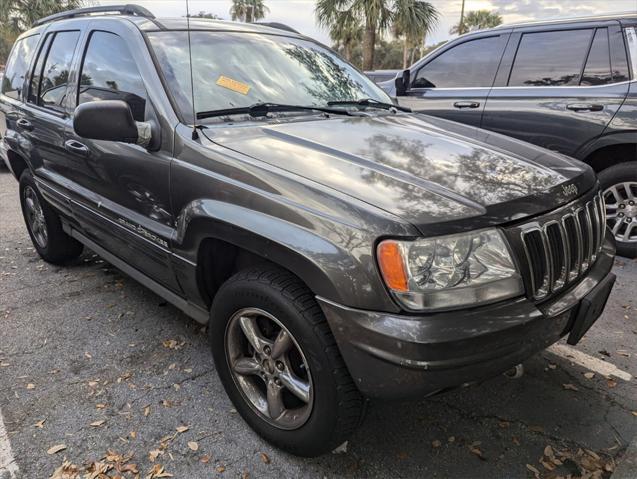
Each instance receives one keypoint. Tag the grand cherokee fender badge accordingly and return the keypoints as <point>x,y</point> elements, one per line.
<point>570,190</point>
<point>143,232</point>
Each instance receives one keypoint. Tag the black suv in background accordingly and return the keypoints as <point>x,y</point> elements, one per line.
<point>337,247</point>
<point>569,86</point>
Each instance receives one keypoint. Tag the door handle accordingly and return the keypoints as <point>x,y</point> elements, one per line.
<point>24,124</point>
<point>466,104</point>
<point>76,147</point>
<point>585,107</point>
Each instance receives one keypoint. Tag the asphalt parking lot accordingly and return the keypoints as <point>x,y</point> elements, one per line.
<point>98,374</point>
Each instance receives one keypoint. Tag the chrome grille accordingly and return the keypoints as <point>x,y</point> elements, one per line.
<point>562,248</point>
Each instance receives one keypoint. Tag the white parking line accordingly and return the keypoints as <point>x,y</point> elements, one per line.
<point>7,461</point>
<point>589,362</point>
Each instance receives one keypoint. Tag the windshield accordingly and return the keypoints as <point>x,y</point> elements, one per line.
<point>233,70</point>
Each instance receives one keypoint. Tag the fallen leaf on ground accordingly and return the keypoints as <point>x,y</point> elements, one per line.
<point>146,411</point>
<point>40,424</point>
<point>534,470</point>
<point>436,443</point>
<point>634,413</point>
<point>474,449</point>
<point>265,459</point>
<point>30,386</point>
<point>193,446</point>
<point>66,471</point>
<point>570,387</point>
<point>56,449</point>
<point>552,366</point>
<point>611,383</point>
<point>157,471</point>
<point>152,455</point>
<point>204,459</point>
<point>100,406</point>
<point>98,423</point>
<point>182,429</point>
<point>589,375</point>
<point>220,468</point>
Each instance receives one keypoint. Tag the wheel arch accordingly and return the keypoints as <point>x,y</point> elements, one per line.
<point>610,150</point>
<point>222,238</point>
<point>17,163</point>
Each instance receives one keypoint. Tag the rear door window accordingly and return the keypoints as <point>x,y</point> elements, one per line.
<point>53,72</point>
<point>109,72</point>
<point>17,66</point>
<point>550,58</point>
<point>470,64</point>
<point>597,70</point>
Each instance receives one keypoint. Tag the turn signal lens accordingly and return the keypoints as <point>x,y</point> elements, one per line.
<point>392,266</point>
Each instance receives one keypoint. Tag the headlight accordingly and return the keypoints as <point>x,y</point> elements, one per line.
<point>450,271</point>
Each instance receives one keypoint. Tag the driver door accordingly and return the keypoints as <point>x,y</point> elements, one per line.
<point>454,84</point>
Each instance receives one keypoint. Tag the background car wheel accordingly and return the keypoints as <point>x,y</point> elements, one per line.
<point>619,184</point>
<point>44,226</point>
<point>279,362</point>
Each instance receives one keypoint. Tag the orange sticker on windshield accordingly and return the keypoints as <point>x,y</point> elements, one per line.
<point>233,85</point>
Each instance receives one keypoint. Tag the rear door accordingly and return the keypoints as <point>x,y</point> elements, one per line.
<point>454,82</point>
<point>559,88</point>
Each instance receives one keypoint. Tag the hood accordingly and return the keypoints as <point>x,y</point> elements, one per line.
<point>438,175</point>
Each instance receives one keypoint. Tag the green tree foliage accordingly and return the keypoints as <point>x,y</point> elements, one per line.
<point>248,10</point>
<point>17,16</point>
<point>412,21</point>
<point>203,14</point>
<point>477,20</point>
<point>411,17</point>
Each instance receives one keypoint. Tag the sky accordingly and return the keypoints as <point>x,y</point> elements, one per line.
<point>299,14</point>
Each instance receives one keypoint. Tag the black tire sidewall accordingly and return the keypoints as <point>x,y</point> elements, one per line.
<point>612,176</point>
<point>60,247</point>
<point>315,436</point>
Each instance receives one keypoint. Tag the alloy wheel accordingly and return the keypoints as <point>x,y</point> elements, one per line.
<point>35,217</point>
<point>269,368</point>
<point>621,211</point>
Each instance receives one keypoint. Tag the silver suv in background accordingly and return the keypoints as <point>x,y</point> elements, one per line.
<point>569,86</point>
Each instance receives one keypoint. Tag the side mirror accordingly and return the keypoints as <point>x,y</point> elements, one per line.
<point>402,83</point>
<point>110,120</point>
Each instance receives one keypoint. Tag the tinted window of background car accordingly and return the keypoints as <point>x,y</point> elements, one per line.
<point>550,58</point>
<point>55,74</point>
<point>470,64</point>
<point>109,72</point>
<point>597,70</point>
<point>16,70</point>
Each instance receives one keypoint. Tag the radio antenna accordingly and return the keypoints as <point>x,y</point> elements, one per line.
<point>195,134</point>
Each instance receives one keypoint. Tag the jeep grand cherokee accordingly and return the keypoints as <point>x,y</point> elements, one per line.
<point>337,246</point>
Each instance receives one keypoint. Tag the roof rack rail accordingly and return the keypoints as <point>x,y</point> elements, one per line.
<point>129,9</point>
<point>277,25</point>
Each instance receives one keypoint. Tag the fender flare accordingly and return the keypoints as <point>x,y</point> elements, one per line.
<point>330,271</point>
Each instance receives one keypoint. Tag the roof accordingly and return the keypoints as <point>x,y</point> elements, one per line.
<point>595,18</point>
<point>181,23</point>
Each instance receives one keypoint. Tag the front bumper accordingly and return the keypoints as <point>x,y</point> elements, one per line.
<point>405,356</point>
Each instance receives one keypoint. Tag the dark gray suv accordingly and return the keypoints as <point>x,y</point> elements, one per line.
<point>337,247</point>
<point>569,86</point>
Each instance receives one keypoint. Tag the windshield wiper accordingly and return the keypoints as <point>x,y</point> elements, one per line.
<point>262,109</point>
<point>365,102</point>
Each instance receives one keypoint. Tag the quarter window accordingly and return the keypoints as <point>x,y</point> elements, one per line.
<point>597,70</point>
<point>470,64</point>
<point>109,72</point>
<point>550,58</point>
<point>17,66</point>
<point>54,75</point>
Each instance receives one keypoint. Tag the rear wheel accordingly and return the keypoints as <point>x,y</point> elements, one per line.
<point>279,363</point>
<point>619,183</point>
<point>44,225</point>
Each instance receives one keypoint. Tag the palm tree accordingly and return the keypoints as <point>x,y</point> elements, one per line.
<point>477,20</point>
<point>374,15</point>
<point>19,15</point>
<point>413,20</point>
<point>345,33</point>
<point>248,11</point>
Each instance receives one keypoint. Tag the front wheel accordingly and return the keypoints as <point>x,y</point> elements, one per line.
<point>279,362</point>
<point>619,184</point>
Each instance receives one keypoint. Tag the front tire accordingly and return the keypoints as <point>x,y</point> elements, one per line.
<point>280,364</point>
<point>44,225</point>
<point>619,184</point>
